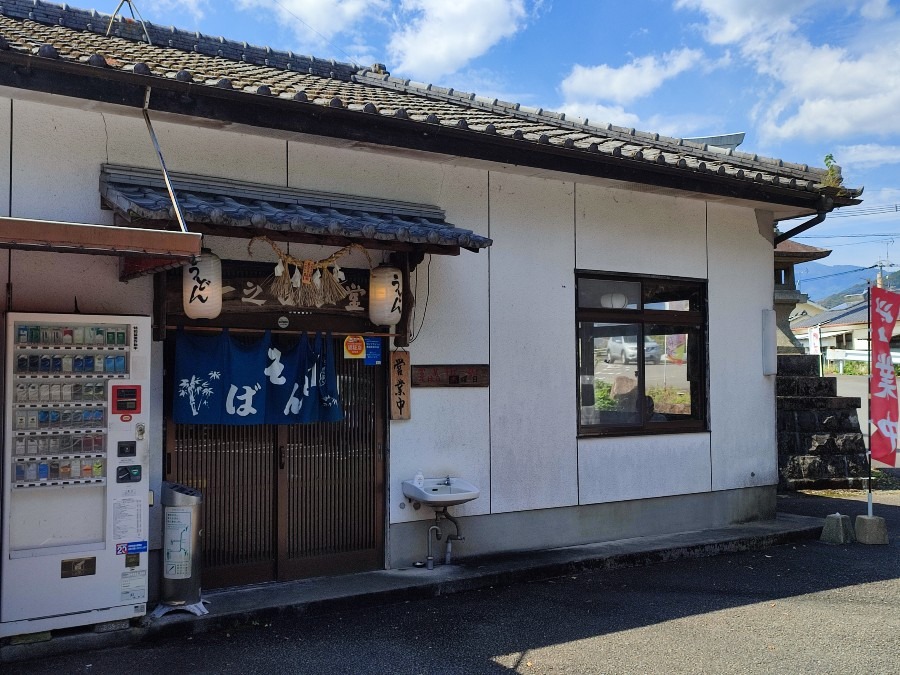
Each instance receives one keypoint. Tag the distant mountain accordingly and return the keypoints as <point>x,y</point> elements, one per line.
<point>828,284</point>
<point>891,281</point>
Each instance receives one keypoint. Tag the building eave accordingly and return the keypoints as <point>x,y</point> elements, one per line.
<point>232,107</point>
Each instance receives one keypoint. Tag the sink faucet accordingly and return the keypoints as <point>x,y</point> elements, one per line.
<point>447,481</point>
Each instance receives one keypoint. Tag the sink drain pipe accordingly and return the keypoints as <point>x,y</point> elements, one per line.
<point>429,560</point>
<point>450,537</point>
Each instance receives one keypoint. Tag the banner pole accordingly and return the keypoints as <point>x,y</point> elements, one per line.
<point>869,393</point>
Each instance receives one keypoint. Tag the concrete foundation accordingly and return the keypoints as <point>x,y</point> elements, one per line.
<point>837,530</point>
<point>871,530</point>
<point>571,526</point>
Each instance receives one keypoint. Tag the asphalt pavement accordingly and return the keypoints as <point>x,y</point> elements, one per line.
<point>795,608</point>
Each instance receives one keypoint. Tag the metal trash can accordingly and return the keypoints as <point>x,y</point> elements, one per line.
<point>181,553</point>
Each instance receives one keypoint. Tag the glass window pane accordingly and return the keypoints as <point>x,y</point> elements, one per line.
<point>610,390</point>
<point>606,294</point>
<point>671,383</point>
<point>673,295</point>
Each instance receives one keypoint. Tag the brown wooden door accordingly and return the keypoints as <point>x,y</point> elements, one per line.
<point>286,502</point>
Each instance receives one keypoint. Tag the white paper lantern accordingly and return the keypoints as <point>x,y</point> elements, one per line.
<point>201,287</point>
<point>385,296</point>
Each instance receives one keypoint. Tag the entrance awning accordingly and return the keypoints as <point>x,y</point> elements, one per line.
<point>142,251</point>
<point>229,208</point>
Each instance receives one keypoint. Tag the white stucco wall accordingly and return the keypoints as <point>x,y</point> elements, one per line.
<point>533,448</point>
<point>671,240</point>
<point>5,136</point>
<point>641,233</point>
<point>511,306</point>
<point>742,399</point>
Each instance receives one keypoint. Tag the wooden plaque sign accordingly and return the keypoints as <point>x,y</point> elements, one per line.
<point>451,376</point>
<point>400,381</point>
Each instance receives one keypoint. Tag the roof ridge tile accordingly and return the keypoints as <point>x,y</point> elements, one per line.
<point>96,22</point>
<point>364,91</point>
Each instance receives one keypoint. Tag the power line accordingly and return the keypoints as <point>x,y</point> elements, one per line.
<point>838,274</point>
<point>857,235</point>
<point>866,211</point>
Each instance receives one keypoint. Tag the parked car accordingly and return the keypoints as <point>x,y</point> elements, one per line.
<point>624,348</point>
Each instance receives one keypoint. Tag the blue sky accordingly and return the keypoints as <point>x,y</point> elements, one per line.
<point>802,78</point>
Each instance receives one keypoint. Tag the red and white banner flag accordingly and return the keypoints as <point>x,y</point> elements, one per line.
<point>883,409</point>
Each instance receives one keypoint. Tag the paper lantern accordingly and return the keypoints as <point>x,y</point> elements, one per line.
<point>614,300</point>
<point>385,296</point>
<point>201,287</point>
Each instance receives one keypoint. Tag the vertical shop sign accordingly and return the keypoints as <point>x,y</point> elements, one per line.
<point>815,340</point>
<point>400,381</point>
<point>883,309</point>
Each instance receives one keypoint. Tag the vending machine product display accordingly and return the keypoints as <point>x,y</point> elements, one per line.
<point>75,472</point>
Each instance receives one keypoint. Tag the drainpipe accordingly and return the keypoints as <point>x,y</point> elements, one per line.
<point>825,206</point>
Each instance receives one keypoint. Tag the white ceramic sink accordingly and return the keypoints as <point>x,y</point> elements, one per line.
<point>441,492</point>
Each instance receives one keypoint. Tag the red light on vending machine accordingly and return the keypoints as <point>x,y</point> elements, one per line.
<point>126,399</point>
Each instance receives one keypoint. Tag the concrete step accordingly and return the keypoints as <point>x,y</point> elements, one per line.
<point>818,403</point>
<point>819,421</point>
<point>818,444</point>
<point>798,364</point>
<point>805,385</point>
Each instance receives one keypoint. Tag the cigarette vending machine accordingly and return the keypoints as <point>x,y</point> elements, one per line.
<point>75,471</point>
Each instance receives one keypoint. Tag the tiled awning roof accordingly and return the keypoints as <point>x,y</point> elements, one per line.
<point>248,209</point>
<point>210,65</point>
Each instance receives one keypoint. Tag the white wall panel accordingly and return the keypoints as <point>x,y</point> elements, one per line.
<point>51,282</point>
<point>448,435</point>
<point>641,467</point>
<point>366,172</point>
<point>56,154</point>
<point>742,399</point>
<point>625,231</point>
<point>218,152</point>
<point>455,328</point>
<point>5,145</point>
<point>533,460</point>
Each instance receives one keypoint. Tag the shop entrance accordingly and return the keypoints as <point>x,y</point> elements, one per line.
<point>284,502</point>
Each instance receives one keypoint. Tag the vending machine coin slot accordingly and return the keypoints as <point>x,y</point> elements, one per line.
<point>126,449</point>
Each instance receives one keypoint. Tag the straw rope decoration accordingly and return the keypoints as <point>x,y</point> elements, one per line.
<point>313,283</point>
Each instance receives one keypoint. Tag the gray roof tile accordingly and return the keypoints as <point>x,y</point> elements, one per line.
<point>142,193</point>
<point>76,35</point>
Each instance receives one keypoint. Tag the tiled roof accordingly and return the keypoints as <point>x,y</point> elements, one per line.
<point>59,32</point>
<point>794,252</point>
<point>141,193</point>
<point>855,314</point>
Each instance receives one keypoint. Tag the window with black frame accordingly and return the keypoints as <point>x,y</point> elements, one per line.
<point>641,354</point>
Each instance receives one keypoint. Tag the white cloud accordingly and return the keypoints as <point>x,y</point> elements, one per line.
<point>630,82</point>
<point>812,91</point>
<point>193,7</point>
<point>316,22</point>
<point>734,21</point>
<point>876,9</point>
<point>867,155</point>
<point>599,114</point>
<point>438,37</point>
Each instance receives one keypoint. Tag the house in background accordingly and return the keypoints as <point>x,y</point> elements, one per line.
<point>526,241</point>
<point>806,309</point>
<point>843,327</point>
